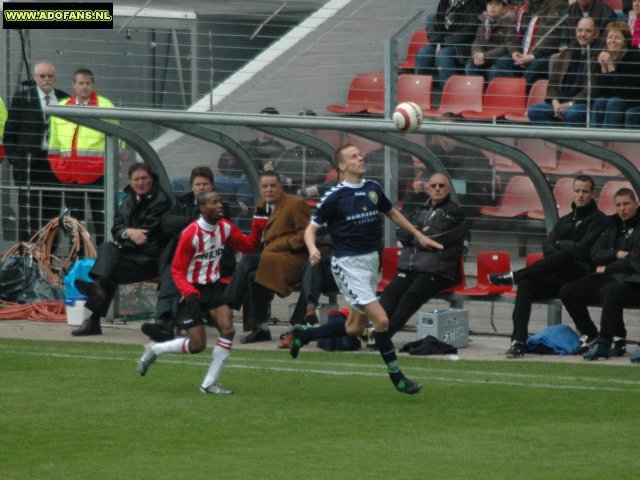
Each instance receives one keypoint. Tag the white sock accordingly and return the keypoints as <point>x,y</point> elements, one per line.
<point>177,345</point>
<point>221,352</point>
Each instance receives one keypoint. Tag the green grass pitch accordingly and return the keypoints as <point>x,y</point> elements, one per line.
<point>81,411</point>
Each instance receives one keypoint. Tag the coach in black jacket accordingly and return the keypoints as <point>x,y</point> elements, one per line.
<point>26,147</point>
<point>134,253</point>
<point>566,257</point>
<point>424,272</point>
<point>614,282</point>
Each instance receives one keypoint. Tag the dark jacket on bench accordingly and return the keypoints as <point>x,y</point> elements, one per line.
<point>444,223</point>
<point>576,232</point>
<point>620,235</point>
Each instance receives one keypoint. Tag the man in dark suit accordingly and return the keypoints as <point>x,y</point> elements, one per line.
<point>278,267</point>
<point>26,144</point>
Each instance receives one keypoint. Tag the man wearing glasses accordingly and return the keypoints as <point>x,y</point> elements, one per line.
<point>423,272</point>
<point>26,145</point>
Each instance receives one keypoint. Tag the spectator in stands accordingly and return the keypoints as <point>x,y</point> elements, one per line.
<point>301,166</point>
<point>566,257</point>
<point>265,150</point>
<point>232,181</point>
<point>536,36</point>
<point>612,263</point>
<point>632,115</point>
<point>26,145</point>
<point>601,13</point>
<point>568,74</point>
<point>616,78</point>
<point>76,153</point>
<point>278,265</point>
<point>634,24</point>
<point>489,44</point>
<point>451,34</point>
<point>133,254</point>
<point>423,272</point>
<point>183,211</point>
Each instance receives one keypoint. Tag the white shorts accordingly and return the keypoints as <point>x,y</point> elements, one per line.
<point>357,278</point>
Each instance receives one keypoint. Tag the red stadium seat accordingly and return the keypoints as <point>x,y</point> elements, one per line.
<point>504,95</point>
<point>563,194</point>
<point>530,260</point>
<point>419,39</point>
<point>518,199</point>
<point>460,93</point>
<point>488,262</point>
<point>572,162</point>
<point>537,94</point>
<point>411,88</point>
<point>366,90</point>
<point>544,154</point>
<point>628,150</point>
<point>605,200</point>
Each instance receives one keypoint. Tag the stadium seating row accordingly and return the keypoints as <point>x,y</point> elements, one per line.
<point>504,98</point>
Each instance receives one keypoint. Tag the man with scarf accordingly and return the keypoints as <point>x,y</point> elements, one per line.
<point>536,36</point>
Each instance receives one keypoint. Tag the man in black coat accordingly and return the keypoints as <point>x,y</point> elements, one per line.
<point>26,144</point>
<point>182,212</point>
<point>134,253</point>
<point>566,257</point>
<point>614,265</point>
<point>423,272</point>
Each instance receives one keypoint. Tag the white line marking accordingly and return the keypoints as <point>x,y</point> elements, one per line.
<point>301,367</point>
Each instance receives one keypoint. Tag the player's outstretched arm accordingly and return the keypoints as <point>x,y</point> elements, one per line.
<point>310,241</point>
<point>400,220</point>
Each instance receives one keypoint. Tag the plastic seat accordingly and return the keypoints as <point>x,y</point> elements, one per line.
<point>530,260</point>
<point>504,95</point>
<point>366,90</point>
<point>518,199</point>
<point>563,194</point>
<point>411,88</point>
<point>488,262</point>
<point>419,39</point>
<point>544,154</point>
<point>605,200</point>
<point>572,162</point>
<point>628,150</point>
<point>389,266</point>
<point>537,94</point>
<point>460,93</point>
<point>501,163</point>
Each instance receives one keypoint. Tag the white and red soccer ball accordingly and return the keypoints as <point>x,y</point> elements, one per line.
<point>407,116</point>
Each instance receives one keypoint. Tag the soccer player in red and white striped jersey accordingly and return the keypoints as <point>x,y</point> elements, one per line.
<point>196,272</point>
